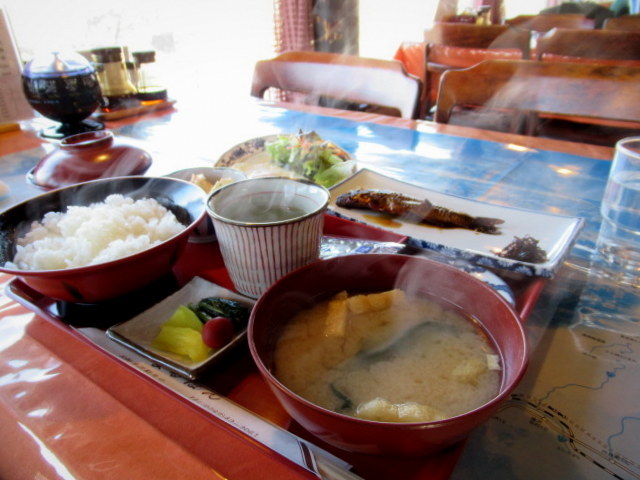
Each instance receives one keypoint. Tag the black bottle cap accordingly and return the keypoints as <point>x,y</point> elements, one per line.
<point>107,54</point>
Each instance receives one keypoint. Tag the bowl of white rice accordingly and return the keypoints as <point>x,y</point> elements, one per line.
<point>99,240</point>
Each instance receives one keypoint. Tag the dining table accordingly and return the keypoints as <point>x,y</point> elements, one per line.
<point>76,405</point>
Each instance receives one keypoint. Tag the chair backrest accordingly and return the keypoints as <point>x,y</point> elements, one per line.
<point>562,43</point>
<point>626,23</point>
<point>571,89</point>
<point>441,58</point>
<point>547,21</point>
<point>351,78</point>
<point>459,45</point>
<point>478,36</point>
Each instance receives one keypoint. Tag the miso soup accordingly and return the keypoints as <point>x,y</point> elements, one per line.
<point>388,357</point>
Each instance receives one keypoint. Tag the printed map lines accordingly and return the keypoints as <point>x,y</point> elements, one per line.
<point>610,374</point>
<point>621,431</point>
<point>569,434</point>
<point>554,421</point>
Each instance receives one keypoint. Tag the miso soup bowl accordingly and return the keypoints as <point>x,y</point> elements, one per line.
<point>366,273</point>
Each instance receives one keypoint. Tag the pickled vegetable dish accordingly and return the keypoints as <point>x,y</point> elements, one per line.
<point>198,330</point>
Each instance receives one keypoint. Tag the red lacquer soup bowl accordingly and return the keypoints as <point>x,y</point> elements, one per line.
<point>110,279</point>
<point>366,273</point>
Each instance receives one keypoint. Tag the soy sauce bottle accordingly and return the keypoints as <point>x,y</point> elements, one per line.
<point>149,86</point>
<point>118,91</point>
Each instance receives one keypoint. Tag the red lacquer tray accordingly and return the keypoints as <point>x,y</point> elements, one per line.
<point>228,450</point>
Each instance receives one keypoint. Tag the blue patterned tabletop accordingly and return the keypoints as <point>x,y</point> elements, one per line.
<point>503,174</point>
<point>498,173</point>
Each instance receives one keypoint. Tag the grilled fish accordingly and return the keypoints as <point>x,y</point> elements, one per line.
<point>415,210</point>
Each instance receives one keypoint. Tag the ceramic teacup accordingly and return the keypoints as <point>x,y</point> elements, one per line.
<point>266,228</point>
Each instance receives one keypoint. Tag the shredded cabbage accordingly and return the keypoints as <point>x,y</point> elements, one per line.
<point>311,157</point>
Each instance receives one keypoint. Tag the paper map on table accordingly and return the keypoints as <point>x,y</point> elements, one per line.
<point>535,437</point>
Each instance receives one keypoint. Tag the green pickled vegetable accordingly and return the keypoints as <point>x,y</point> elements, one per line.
<point>212,307</point>
<point>201,314</point>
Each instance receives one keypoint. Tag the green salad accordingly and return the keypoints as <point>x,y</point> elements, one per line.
<point>309,156</point>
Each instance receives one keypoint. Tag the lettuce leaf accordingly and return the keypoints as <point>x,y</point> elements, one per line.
<point>311,157</point>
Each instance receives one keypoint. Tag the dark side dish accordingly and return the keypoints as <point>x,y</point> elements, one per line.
<point>525,249</point>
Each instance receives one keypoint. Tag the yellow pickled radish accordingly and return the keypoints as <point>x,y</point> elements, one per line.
<point>182,341</point>
<point>184,317</point>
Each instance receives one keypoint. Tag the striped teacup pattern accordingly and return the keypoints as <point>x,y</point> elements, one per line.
<point>258,255</point>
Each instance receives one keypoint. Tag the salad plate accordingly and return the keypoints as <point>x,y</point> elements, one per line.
<point>302,155</point>
<point>554,234</point>
<point>138,333</point>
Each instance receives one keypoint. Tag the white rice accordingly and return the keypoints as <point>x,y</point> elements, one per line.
<point>88,235</point>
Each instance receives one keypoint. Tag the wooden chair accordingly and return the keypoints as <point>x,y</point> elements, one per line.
<point>381,83</point>
<point>478,36</point>
<point>514,95</point>
<point>562,44</point>
<point>412,56</point>
<point>626,23</point>
<point>458,45</point>
<point>547,21</point>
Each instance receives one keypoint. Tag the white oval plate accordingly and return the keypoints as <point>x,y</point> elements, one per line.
<point>555,233</point>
